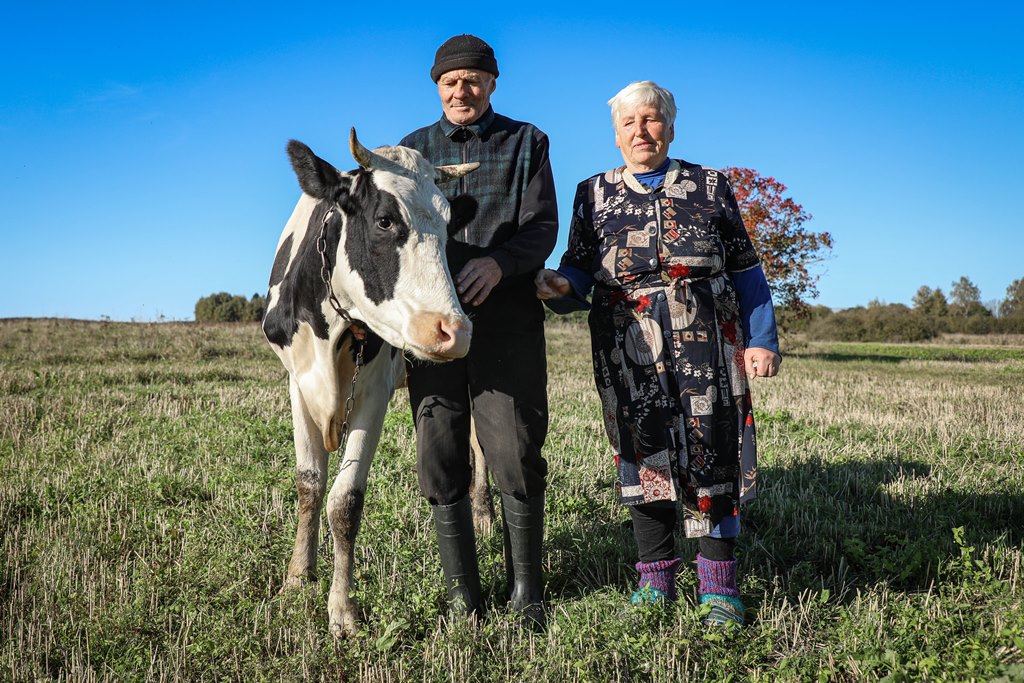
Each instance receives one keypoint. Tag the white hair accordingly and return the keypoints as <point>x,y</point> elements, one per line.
<point>640,93</point>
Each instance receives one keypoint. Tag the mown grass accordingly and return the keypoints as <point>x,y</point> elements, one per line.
<point>147,515</point>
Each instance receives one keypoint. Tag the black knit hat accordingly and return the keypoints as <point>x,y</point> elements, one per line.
<point>463,52</point>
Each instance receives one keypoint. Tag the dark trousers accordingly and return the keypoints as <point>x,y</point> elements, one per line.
<point>654,529</point>
<point>502,383</point>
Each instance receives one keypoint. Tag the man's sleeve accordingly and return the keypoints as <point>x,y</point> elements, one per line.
<point>538,217</point>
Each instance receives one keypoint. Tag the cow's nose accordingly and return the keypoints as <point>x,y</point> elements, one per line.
<point>442,337</point>
<point>453,335</point>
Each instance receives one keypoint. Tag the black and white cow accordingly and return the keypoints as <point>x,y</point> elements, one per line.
<point>375,237</point>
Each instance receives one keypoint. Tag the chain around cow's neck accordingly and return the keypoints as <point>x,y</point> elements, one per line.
<point>325,275</point>
<point>325,271</point>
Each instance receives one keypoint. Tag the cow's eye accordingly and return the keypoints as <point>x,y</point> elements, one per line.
<point>384,223</point>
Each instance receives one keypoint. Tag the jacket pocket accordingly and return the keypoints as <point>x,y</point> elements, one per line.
<point>627,253</point>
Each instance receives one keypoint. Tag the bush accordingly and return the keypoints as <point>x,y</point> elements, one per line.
<point>226,308</point>
<point>799,320</point>
<point>877,322</point>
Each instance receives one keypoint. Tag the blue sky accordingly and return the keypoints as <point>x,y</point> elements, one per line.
<point>143,160</point>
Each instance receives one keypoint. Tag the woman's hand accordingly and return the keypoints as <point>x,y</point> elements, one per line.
<point>550,285</point>
<point>761,362</point>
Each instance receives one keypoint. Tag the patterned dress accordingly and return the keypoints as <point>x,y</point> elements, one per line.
<point>667,337</point>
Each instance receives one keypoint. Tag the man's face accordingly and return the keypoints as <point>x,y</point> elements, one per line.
<point>465,94</point>
<point>643,138</point>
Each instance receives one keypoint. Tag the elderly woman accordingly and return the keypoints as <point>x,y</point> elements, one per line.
<point>681,315</point>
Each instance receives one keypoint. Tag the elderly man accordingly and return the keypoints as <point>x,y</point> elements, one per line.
<point>503,226</point>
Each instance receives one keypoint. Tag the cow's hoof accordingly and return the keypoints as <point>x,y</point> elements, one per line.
<point>483,513</point>
<point>346,628</point>
<point>294,583</point>
<point>482,524</point>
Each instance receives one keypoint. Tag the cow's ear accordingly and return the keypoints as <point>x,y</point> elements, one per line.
<point>317,178</point>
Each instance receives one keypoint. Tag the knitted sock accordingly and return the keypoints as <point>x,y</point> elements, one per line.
<point>718,578</point>
<point>718,587</point>
<point>660,576</point>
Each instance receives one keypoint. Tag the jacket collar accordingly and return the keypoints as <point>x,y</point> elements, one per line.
<point>671,178</point>
<point>477,128</point>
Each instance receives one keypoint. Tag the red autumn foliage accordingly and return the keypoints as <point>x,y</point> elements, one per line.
<point>776,225</point>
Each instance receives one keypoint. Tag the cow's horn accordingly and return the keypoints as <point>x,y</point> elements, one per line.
<point>446,173</point>
<point>362,155</point>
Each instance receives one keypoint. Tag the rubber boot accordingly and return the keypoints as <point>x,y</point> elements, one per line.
<point>456,543</point>
<point>523,523</point>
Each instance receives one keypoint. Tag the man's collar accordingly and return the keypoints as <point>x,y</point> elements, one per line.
<point>477,128</point>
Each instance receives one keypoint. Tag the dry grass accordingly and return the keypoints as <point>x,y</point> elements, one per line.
<point>147,512</point>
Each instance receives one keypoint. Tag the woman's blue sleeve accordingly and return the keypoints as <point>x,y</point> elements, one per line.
<point>756,309</point>
<point>576,300</point>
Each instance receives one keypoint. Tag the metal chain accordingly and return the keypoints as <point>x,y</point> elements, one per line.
<point>351,396</point>
<point>325,275</point>
<point>325,271</point>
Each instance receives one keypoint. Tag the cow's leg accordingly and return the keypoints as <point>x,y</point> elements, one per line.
<point>345,501</point>
<point>311,482</point>
<point>479,490</point>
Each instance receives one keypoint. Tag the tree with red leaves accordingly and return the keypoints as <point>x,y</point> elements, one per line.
<point>776,227</point>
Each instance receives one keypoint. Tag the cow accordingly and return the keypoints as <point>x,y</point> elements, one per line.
<point>364,247</point>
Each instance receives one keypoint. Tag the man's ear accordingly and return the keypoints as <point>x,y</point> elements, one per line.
<point>672,132</point>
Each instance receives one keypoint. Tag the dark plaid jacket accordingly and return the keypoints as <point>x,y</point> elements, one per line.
<point>505,209</point>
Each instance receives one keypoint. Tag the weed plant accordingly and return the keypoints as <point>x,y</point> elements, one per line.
<point>147,512</point>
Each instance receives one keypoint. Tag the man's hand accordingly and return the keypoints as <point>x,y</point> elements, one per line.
<point>550,285</point>
<point>476,280</point>
<point>761,362</point>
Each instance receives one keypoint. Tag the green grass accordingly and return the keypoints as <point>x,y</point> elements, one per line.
<point>842,351</point>
<point>147,512</point>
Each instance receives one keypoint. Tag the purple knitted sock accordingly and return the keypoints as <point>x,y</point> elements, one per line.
<point>717,577</point>
<point>660,575</point>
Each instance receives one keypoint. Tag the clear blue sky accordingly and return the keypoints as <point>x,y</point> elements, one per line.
<point>143,163</point>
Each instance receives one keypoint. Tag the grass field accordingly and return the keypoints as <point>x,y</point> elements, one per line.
<point>147,512</point>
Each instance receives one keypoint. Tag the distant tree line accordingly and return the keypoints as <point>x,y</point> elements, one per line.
<point>228,308</point>
<point>932,313</point>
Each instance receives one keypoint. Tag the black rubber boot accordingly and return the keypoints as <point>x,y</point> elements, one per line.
<point>456,544</point>
<point>523,523</point>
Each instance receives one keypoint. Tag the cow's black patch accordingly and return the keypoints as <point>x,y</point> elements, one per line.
<point>374,232</point>
<point>302,287</point>
<point>281,261</point>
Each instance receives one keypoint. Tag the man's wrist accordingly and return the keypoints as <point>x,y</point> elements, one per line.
<point>505,262</point>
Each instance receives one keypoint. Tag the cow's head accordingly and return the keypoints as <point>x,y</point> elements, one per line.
<point>375,239</point>
<point>382,230</point>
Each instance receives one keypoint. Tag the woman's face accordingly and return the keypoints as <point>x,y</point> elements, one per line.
<point>643,138</point>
